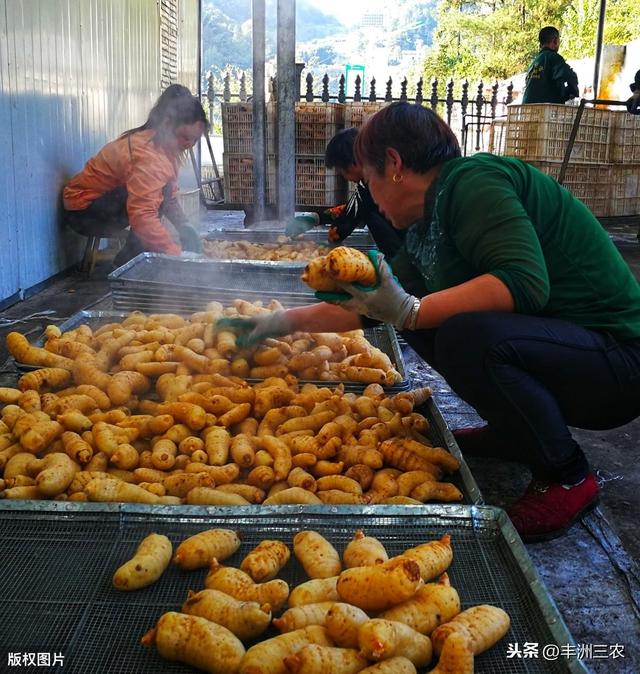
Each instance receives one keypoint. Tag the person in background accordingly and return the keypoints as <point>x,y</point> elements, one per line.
<point>132,181</point>
<point>549,78</point>
<point>531,314</point>
<point>633,103</point>
<point>359,211</point>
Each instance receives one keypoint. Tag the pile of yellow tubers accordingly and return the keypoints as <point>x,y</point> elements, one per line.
<point>283,250</point>
<point>109,418</point>
<point>363,612</point>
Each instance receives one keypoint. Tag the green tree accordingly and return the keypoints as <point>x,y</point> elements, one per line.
<point>494,39</point>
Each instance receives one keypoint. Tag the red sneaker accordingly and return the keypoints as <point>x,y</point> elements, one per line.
<point>483,441</point>
<point>547,511</point>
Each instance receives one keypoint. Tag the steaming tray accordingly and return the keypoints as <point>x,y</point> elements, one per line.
<point>383,337</point>
<point>157,282</point>
<point>57,561</point>
<point>359,238</point>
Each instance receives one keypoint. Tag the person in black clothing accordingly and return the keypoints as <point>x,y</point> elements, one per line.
<point>359,211</point>
<point>633,104</point>
<point>549,78</point>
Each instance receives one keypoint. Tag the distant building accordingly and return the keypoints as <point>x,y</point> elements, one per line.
<point>371,20</point>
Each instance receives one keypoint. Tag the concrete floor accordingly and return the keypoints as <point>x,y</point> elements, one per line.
<point>590,572</point>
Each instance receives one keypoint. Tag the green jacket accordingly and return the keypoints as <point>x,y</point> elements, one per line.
<point>501,216</point>
<point>549,79</point>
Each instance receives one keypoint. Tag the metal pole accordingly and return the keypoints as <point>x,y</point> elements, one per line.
<point>572,139</point>
<point>286,98</point>
<point>259,144</point>
<point>599,39</point>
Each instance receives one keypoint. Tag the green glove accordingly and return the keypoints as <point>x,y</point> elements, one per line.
<point>256,329</point>
<point>301,224</point>
<point>386,301</point>
<point>189,238</point>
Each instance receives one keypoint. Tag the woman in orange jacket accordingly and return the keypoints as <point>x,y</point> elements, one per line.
<point>132,181</point>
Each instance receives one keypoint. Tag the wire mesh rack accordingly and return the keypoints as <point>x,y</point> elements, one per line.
<point>57,562</point>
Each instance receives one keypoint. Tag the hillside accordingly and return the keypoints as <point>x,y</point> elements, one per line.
<point>226,30</point>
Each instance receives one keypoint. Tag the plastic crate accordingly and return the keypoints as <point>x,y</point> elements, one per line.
<point>497,136</point>
<point>625,190</point>
<point>317,185</point>
<point>316,125</point>
<point>588,182</point>
<point>355,114</point>
<point>237,128</point>
<point>238,178</point>
<point>625,138</point>
<point>540,132</point>
<point>189,201</point>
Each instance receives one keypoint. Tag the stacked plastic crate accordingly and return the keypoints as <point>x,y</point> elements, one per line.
<point>625,168</point>
<point>539,134</point>
<point>237,158</point>
<point>355,114</point>
<point>316,124</point>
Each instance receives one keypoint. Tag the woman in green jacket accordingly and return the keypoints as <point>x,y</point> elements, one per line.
<point>531,314</point>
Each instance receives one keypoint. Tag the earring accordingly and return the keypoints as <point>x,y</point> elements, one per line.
<point>397,178</point>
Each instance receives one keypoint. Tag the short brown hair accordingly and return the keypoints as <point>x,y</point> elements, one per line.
<point>421,138</point>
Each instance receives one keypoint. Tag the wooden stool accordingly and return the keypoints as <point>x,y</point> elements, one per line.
<point>92,252</point>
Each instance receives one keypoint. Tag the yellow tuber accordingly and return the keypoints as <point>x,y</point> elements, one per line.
<point>397,665</point>
<point>382,639</point>
<point>433,558</point>
<point>147,565</point>
<point>456,656</point>
<point>268,656</point>
<point>265,560</point>
<point>197,642</point>
<point>343,623</point>
<point>485,625</point>
<point>318,557</point>
<point>364,551</point>
<point>54,473</point>
<point>246,619</point>
<point>200,550</point>
<point>376,588</point>
<point>314,659</point>
<point>102,489</point>
<point>49,378</point>
<point>240,585</point>
<point>432,605</point>
<point>314,591</point>
<point>302,616</point>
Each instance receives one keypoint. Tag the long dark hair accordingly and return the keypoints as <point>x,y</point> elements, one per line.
<point>175,105</point>
<point>420,137</point>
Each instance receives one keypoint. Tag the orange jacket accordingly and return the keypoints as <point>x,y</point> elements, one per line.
<point>144,171</point>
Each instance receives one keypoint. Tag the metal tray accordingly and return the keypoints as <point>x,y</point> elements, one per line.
<point>57,561</point>
<point>383,337</point>
<point>359,238</point>
<point>154,280</point>
<point>438,433</point>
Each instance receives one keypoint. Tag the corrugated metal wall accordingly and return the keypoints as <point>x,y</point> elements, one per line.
<point>73,75</point>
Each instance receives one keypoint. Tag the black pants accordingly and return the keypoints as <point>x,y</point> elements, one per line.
<point>106,216</point>
<point>531,377</point>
